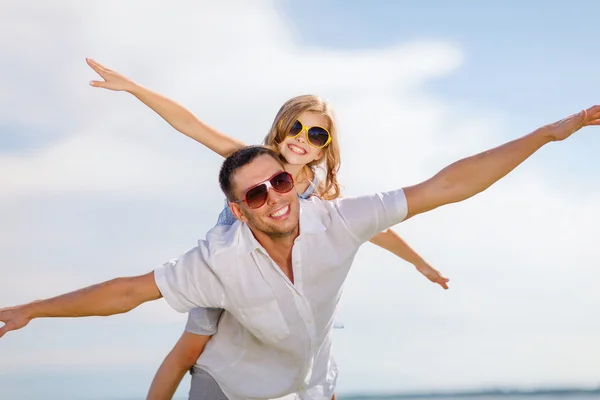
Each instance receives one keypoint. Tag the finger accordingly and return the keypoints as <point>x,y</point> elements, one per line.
<point>98,68</point>
<point>97,65</point>
<point>92,62</point>
<point>593,110</point>
<point>593,115</point>
<point>95,68</point>
<point>4,329</point>
<point>100,84</point>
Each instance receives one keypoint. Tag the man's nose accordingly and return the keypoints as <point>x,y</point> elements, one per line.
<point>273,197</point>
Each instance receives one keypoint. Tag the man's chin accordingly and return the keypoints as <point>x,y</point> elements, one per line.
<point>283,234</point>
<point>282,230</point>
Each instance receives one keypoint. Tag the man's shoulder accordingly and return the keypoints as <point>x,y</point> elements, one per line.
<point>317,209</point>
<point>316,201</point>
<point>222,240</point>
<point>317,204</point>
<point>313,205</point>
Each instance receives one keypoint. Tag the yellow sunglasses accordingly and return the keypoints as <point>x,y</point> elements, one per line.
<point>316,136</point>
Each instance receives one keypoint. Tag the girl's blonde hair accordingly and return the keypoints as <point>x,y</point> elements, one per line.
<point>285,118</point>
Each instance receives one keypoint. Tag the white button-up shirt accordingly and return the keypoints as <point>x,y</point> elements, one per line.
<point>275,337</point>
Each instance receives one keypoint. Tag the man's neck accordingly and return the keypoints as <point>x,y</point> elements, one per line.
<point>280,250</point>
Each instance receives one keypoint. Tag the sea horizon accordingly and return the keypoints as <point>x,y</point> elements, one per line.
<point>480,394</point>
<point>569,392</point>
<point>33,388</point>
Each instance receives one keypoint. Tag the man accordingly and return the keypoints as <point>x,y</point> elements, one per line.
<point>279,272</point>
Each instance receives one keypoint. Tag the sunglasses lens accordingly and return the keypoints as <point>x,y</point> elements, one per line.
<point>282,183</point>
<point>295,129</point>
<point>318,136</point>
<point>257,197</point>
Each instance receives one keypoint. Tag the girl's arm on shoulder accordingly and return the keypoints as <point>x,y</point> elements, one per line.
<point>175,114</point>
<point>392,242</point>
<point>175,365</point>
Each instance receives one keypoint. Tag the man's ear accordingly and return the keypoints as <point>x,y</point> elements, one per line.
<point>236,210</point>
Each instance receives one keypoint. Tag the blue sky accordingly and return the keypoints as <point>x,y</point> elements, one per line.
<point>98,186</point>
<point>531,59</point>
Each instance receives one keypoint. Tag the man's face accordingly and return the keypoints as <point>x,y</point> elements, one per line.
<point>279,216</point>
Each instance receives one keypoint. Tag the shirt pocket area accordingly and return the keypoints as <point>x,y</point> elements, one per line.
<point>266,321</point>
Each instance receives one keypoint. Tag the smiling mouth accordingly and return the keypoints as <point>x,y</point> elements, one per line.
<point>281,213</point>
<point>297,149</point>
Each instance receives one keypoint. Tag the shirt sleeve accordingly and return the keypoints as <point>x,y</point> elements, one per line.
<point>189,282</point>
<point>366,216</point>
<point>203,321</point>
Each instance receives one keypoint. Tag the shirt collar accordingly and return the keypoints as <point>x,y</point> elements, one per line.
<point>310,224</point>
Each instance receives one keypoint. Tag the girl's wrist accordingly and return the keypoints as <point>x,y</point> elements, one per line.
<point>132,88</point>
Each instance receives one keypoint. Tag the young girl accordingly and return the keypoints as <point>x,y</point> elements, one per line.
<point>304,133</point>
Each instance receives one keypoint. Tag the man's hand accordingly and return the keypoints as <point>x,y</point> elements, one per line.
<point>112,79</point>
<point>433,275</point>
<point>472,175</point>
<point>13,318</point>
<point>112,297</point>
<point>564,128</point>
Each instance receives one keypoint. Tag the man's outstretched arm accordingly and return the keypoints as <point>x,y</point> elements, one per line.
<point>116,296</point>
<point>467,177</point>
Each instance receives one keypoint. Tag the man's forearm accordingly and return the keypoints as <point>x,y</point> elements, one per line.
<point>469,176</point>
<point>473,175</point>
<point>108,298</point>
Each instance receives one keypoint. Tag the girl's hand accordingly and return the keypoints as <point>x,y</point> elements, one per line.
<point>433,275</point>
<point>112,79</point>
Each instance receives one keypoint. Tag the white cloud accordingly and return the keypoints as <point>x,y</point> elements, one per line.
<point>100,162</point>
<point>521,257</point>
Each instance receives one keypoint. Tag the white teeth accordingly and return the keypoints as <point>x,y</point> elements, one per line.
<point>280,212</point>
<point>297,150</point>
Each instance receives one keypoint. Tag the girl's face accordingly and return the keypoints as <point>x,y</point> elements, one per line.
<point>297,150</point>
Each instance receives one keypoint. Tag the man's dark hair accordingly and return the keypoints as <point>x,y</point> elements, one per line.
<point>236,161</point>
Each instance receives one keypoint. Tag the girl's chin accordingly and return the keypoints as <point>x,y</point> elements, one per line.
<point>297,162</point>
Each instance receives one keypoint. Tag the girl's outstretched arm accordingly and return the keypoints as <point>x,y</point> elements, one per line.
<point>175,114</point>
<point>393,243</point>
<point>175,365</point>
